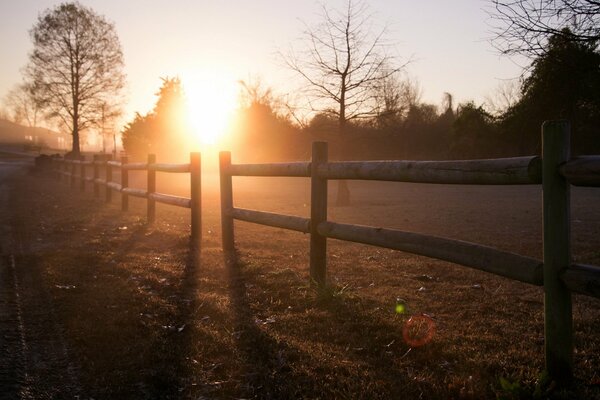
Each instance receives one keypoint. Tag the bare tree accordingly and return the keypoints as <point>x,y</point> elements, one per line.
<point>254,91</point>
<point>524,26</point>
<point>395,97</point>
<point>109,114</point>
<point>22,103</point>
<point>506,95</point>
<point>342,61</point>
<point>76,66</point>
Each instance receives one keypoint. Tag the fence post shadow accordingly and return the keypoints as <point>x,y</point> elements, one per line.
<point>267,374</point>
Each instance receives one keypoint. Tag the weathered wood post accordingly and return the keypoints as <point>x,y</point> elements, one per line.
<point>151,188</point>
<point>124,184</point>
<point>82,174</point>
<point>95,160</point>
<point>196,198</point>
<point>558,319</point>
<point>318,214</point>
<point>226,203</point>
<point>108,190</point>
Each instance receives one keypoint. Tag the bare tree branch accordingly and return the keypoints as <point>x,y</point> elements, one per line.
<point>342,62</point>
<point>524,26</point>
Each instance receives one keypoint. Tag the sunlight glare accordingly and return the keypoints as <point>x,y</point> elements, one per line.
<point>211,105</point>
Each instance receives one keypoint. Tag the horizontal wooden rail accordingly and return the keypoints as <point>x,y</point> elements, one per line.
<point>135,166</point>
<point>501,171</point>
<point>170,167</point>
<point>483,258</point>
<point>582,171</point>
<point>114,186</point>
<point>583,279</point>
<point>103,163</point>
<point>170,199</point>
<point>301,169</point>
<point>135,192</point>
<point>271,219</point>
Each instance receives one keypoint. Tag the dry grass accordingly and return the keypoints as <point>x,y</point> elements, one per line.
<point>145,321</point>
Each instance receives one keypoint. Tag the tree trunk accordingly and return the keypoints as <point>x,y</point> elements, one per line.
<point>75,148</point>
<point>343,193</point>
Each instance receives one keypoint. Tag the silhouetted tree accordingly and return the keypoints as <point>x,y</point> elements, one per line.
<point>394,98</point>
<point>342,62</point>
<point>263,129</point>
<point>76,66</point>
<point>22,102</point>
<point>474,133</point>
<point>162,131</point>
<point>564,83</point>
<point>525,26</point>
<point>425,132</point>
<point>506,95</point>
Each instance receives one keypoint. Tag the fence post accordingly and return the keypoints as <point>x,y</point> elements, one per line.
<point>108,191</point>
<point>151,188</point>
<point>82,174</point>
<point>95,159</point>
<point>124,184</point>
<point>226,203</point>
<point>558,319</point>
<point>196,198</point>
<point>318,214</point>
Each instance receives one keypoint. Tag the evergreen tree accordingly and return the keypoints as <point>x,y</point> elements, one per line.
<point>564,84</point>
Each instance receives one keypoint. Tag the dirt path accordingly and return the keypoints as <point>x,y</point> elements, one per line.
<point>34,360</point>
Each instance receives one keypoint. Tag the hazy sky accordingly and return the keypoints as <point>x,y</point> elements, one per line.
<point>216,42</point>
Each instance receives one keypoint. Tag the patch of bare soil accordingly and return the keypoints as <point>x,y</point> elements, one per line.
<point>137,314</point>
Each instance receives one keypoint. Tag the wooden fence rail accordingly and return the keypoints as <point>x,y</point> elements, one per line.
<point>75,170</point>
<point>555,170</point>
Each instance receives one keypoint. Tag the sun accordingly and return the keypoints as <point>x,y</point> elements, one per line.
<point>211,102</point>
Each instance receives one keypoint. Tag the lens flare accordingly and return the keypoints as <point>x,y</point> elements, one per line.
<point>401,307</point>
<point>418,330</point>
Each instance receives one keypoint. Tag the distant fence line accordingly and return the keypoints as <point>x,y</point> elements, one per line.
<point>75,171</point>
<point>555,170</point>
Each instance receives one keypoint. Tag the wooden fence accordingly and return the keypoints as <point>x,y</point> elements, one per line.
<point>76,172</point>
<point>556,171</point>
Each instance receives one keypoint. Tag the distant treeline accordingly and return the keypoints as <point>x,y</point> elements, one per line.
<point>563,83</point>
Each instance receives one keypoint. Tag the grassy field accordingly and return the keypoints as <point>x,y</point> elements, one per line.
<point>143,317</point>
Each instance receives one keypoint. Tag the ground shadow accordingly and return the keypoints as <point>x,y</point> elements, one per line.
<point>266,373</point>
